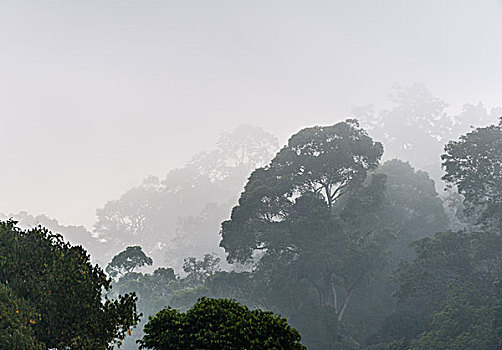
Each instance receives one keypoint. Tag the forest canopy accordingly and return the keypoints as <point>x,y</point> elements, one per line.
<point>355,250</point>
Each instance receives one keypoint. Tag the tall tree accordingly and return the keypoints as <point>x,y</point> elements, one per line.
<point>319,160</point>
<point>311,217</point>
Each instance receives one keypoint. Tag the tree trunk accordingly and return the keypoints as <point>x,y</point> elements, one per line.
<point>330,198</point>
<point>333,291</point>
<point>345,304</point>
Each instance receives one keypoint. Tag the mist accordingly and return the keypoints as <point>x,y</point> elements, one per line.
<point>167,130</point>
<point>97,95</point>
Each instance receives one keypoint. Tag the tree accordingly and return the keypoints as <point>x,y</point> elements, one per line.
<point>456,275</point>
<point>319,160</point>
<point>62,286</point>
<point>242,150</point>
<point>75,235</point>
<point>195,233</point>
<point>445,259</point>
<point>128,220</point>
<point>462,323</point>
<point>310,219</point>
<point>414,129</point>
<point>199,270</point>
<point>473,164</point>
<point>397,331</point>
<point>328,159</point>
<point>219,324</point>
<point>128,260</point>
<point>412,209</point>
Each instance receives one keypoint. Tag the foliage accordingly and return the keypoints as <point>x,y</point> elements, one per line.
<point>128,260</point>
<point>127,220</point>
<point>453,281</point>
<point>463,323</point>
<point>397,331</point>
<point>456,275</point>
<point>327,160</point>
<point>16,322</point>
<point>75,235</point>
<point>199,270</point>
<point>59,282</point>
<point>154,291</point>
<point>411,210</point>
<point>219,324</point>
<point>311,217</point>
<point>474,165</point>
<point>322,231</point>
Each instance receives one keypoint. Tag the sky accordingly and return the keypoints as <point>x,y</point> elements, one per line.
<point>96,95</point>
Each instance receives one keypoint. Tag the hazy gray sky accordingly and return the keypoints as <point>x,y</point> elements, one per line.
<point>95,95</point>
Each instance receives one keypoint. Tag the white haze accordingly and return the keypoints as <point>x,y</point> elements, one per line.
<point>95,95</point>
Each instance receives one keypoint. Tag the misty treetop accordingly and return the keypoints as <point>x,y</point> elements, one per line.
<point>179,216</point>
<point>418,125</point>
<point>473,164</point>
<point>182,211</point>
<point>310,212</point>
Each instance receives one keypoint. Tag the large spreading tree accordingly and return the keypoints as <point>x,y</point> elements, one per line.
<point>311,219</point>
<point>318,161</point>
